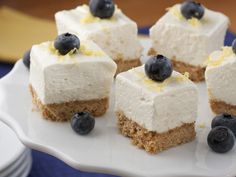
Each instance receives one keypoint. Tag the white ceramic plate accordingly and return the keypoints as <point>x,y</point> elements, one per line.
<point>14,166</point>
<point>11,149</point>
<point>105,150</point>
<point>20,167</point>
<point>23,169</point>
<point>26,171</point>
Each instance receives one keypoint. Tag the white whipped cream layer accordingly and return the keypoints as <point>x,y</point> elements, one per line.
<point>86,75</point>
<point>221,76</point>
<point>156,106</point>
<point>190,41</point>
<point>116,36</point>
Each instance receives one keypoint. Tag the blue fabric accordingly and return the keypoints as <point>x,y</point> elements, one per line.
<point>5,68</point>
<point>45,165</point>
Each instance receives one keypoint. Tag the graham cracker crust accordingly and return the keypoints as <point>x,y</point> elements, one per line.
<point>220,107</point>
<point>197,73</point>
<point>64,111</point>
<point>151,141</point>
<point>125,65</point>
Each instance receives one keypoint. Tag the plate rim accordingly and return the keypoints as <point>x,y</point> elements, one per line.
<point>23,168</point>
<point>17,164</point>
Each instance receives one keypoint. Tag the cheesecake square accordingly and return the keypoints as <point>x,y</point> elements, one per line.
<point>117,35</point>
<point>156,115</point>
<point>220,79</point>
<point>62,85</point>
<point>188,42</point>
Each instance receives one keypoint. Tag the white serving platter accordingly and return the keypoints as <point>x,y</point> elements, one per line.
<point>105,150</point>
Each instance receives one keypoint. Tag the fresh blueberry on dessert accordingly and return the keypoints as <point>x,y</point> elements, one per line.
<point>26,58</point>
<point>221,139</point>
<point>66,42</point>
<point>82,123</point>
<point>234,46</point>
<point>191,9</point>
<point>225,120</point>
<point>158,68</point>
<point>102,8</point>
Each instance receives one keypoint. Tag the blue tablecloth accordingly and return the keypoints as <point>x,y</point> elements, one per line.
<point>45,165</point>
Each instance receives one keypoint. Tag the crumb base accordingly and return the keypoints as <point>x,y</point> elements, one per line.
<point>197,73</point>
<point>220,107</point>
<point>154,142</point>
<point>60,112</point>
<point>125,65</point>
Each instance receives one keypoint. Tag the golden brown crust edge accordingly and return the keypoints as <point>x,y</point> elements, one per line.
<point>197,73</point>
<point>125,65</point>
<point>154,142</point>
<point>64,111</point>
<point>220,107</point>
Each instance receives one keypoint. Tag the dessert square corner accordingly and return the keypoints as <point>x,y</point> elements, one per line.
<point>188,42</point>
<point>62,85</point>
<point>212,24</point>
<point>116,36</point>
<point>220,79</point>
<point>157,108</point>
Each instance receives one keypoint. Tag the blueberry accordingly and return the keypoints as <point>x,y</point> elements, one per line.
<point>82,123</point>
<point>102,8</point>
<point>26,58</point>
<point>225,120</point>
<point>158,68</point>
<point>221,139</point>
<point>64,43</point>
<point>191,9</point>
<point>234,46</point>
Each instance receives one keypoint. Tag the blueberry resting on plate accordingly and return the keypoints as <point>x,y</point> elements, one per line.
<point>102,8</point>
<point>158,68</point>
<point>66,42</point>
<point>221,139</point>
<point>234,46</point>
<point>26,58</point>
<point>190,9</point>
<point>82,123</point>
<point>225,120</point>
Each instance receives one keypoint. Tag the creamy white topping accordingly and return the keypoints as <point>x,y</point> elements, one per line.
<point>156,106</point>
<point>221,76</point>
<point>189,41</point>
<point>117,36</point>
<point>85,75</point>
